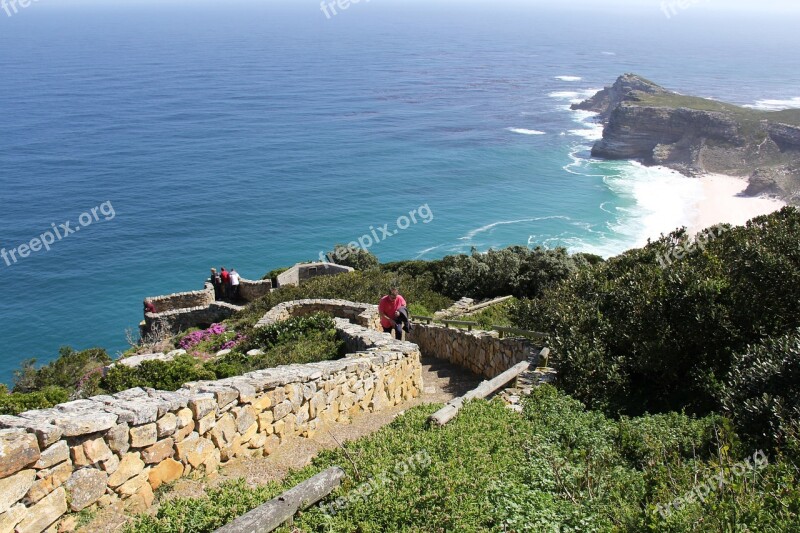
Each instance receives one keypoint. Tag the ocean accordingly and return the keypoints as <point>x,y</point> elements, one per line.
<point>258,134</point>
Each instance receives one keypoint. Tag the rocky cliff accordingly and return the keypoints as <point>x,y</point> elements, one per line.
<point>648,123</point>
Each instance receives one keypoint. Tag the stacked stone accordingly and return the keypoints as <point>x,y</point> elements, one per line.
<point>457,309</point>
<point>481,352</point>
<point>184,300</point>
<point>362,314</point>
<point>104,449</point>
<point>179,320</point>
<point>526,382</point>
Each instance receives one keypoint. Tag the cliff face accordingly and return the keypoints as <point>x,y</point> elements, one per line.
<point>647,123</point>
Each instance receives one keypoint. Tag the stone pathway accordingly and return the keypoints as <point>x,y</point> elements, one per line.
<point>442,382</point>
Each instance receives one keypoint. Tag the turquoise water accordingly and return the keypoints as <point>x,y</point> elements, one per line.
<point>256,135</point>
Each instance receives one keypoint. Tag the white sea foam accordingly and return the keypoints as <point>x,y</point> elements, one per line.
<point>609,53</point>
<point>776,105</point>
<point>574,97</point>
<point>523,131</point>
<point>569,78</point>
<point>471,234</point>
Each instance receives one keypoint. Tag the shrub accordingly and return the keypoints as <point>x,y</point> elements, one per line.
<point>516,271</point>
<point>632,335</point>
<point>358,258</point>
<point>17,402</point>
<point>66,372</point>
<point>763,390</point>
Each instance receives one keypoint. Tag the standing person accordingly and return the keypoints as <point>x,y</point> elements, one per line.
<point>388,308</point>
<point>225,278</point>
<point>216,281</point>
<point>234,284</point>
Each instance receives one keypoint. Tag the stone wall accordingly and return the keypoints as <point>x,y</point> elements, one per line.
<point>184,310</point>
<point>172,322</point>
<point>183,300</point>
<point>250,290</point>
<point>481,352</point>
<point>97,451</point>
<point>365,315</point>
<point>305,271</point>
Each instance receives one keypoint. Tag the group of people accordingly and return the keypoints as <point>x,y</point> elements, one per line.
<point>394,314</point>
<point>226,284</point>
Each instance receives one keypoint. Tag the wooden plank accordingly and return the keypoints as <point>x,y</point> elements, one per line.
<point>490,303</point>
<point>519,332</point>
<point>449,411</point>
<point>277,511</point>
<point>469,324</point>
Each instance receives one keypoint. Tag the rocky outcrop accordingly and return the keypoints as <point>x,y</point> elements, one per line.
<point>650,124</point>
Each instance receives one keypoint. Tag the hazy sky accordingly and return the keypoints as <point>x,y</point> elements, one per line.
<point>753,5</point>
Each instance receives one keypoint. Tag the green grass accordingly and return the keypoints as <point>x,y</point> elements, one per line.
<point>556,467</point>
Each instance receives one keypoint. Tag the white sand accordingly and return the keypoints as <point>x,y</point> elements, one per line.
<point>721,203</point>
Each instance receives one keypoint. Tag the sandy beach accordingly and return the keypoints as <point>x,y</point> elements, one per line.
<point>721,202</point>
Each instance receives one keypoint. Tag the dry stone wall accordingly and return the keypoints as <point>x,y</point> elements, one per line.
<point>365,315</point>
<point>100,450</point>
<point>481,352</point>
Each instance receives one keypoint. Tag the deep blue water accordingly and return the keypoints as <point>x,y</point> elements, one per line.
<point>257,135</point>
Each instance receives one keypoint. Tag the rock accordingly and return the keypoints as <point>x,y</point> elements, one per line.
<point>166,425</point>
<point>76,425</point>
<point>245,416</point>
<point>110,466</point>
<point>202,404</point>
<point>68,524</point>
<point>49,480</point>
<point>134,484</point>
<point>265,421</point>
<point>13,488</point>
<point>158,451</point>
<point>223,352</point>
<point>165,472</point>
<point>271,444</point>
<point>91,451</point>
<point>12,517</point>
<point>282,409</point>
<point>206,423</point>
<point>85,487</point>
<point>44,513</point>
<point>250,432</point>
<point>262,402</point>
<point>131,465</point>
<point>223,431</point>
<point>194,450</point>
<point>118,438</point>
<point>184,432</point>
<point>142,436</point>
<point>57,453</point>
<point>142,500</point>
<point>255,353</point>
<point>18,449</point>
<point>183,418</point>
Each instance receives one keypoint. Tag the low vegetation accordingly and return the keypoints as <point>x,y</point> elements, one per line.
<point>556,467</point>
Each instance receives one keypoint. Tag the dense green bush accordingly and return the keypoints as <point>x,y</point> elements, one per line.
<point>161,375</point>
<point>517,271</point>
<point>17,402</point>
<point>557,467</point>
<point>638,333</point>
<point>366,287</point>
<point>358,258</point>
<point>68,371</point>
<point>763,391</point>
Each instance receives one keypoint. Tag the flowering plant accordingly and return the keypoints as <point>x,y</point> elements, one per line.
<point>196,337</point>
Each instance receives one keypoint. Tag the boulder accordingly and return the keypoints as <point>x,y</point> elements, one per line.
<point>85,487</point>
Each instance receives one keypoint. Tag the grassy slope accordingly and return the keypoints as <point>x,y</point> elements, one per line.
<point>557,467</point>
